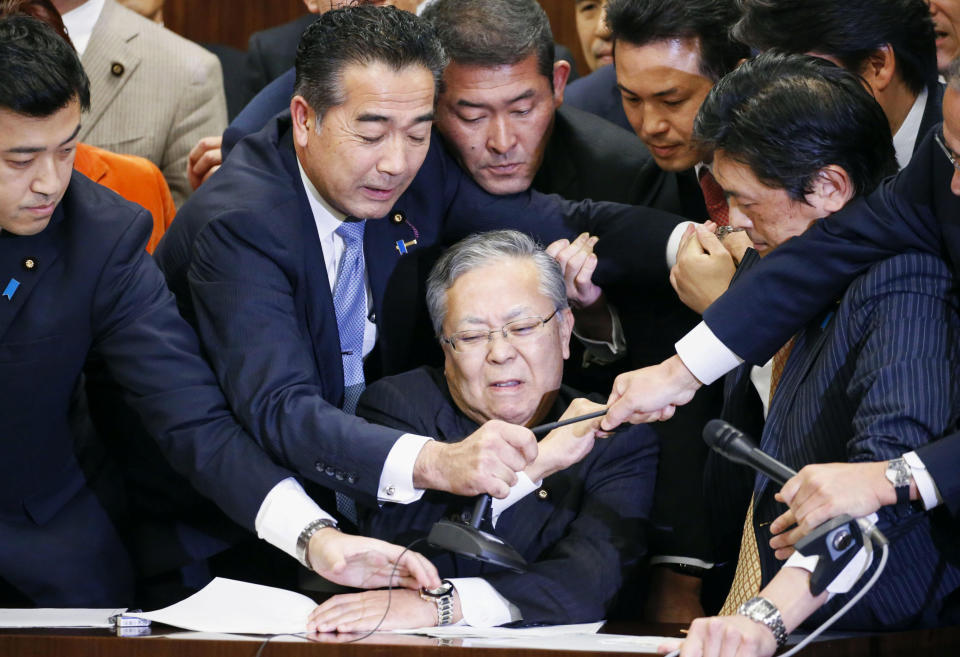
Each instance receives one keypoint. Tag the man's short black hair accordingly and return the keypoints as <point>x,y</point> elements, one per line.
<point>40,73</point>
<point>641,22</point>
<point>789,116</point>
<point>363,35</point>
<point>493,32</point>
<point>848,31</point>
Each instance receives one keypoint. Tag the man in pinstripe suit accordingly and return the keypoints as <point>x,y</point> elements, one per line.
<point>867,380</point>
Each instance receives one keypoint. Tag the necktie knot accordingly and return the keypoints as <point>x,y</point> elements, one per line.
<point>351,231</point>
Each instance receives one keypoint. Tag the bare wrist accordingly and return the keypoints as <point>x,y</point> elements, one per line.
<point>425,468</point>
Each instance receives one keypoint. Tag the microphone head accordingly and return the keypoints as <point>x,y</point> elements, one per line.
<point>718,433</point>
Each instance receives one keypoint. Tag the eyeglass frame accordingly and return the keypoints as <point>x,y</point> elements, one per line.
<point>452,340</point>
<point>942,143</point>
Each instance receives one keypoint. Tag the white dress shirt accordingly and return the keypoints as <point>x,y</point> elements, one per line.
<point>80,21</point>
<point>909,131</point>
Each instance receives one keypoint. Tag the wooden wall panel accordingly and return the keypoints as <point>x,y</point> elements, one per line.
<point>231,22</point>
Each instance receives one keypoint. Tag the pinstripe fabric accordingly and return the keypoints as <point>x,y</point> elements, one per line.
<point>168,94</point>
<point>867,382</point>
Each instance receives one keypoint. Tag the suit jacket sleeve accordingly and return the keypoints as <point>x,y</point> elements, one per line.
<point>576,579</point>
<point>201,112</point>
<point>154,355</point>
<point>907,329</point>
<point>758,315</point>
<point>625,253</point>
<point>246,318</point>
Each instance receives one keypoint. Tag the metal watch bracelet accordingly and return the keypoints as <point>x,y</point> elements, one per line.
<point>303,541</point>
<point>763,611</point>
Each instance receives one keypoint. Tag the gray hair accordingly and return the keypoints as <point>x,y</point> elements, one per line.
<point>493,32</point>
<point>952,75</point>
<point>364,35</point>
<point>483,249</point>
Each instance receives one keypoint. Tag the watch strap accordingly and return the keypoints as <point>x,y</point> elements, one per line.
<point>765,612</point>
<point>443,598</point>
<point>303,540</point>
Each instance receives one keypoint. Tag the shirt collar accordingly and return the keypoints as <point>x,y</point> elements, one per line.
<point>906,137</point>
<point>325,216</point>
<point>80,21</point>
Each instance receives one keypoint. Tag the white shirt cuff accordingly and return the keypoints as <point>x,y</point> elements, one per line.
<point>396,479</point>
<point>704,355</point>
<point>602,351</point>
<point>929,493</point>
<point>482,605</point>
<point>518,491</point>
<point>285,511</point>
<point>673,242</point>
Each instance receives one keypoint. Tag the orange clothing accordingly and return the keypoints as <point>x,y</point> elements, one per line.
<point>134,178</point>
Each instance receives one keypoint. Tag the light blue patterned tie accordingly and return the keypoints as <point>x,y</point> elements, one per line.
<point>350,303</point>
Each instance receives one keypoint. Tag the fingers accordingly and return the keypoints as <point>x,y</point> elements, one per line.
<point>709,241</point>
<point>520,438</point>
<point>783,522</point>
<point>423,573</point>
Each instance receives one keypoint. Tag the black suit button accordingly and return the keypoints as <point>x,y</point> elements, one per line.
<point>351,478</point>
<point>319,465</point>
<point>330,470</point>
<point>340,475</point>
<point>117,69</point>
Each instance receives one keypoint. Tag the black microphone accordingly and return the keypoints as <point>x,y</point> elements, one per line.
<point>737,446</point>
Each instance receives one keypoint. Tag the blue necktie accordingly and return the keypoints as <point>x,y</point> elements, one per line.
<point>350,303</point>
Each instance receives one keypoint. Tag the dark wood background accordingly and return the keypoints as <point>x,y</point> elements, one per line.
<point>231,22</point>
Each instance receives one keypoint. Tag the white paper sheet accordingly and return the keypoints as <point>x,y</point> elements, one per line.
<point>11,618</point>
<point>587,642</point>
<point>463,631</point>
<point>233,607</point>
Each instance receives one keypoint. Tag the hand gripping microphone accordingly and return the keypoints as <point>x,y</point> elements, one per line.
<point>737,446</point>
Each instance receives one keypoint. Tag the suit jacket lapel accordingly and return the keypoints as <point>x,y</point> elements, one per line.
<point>108,61</point>
<point>15,276</point>
<point>932,112</point>
<point>321,316</point>
<point>805,352</point>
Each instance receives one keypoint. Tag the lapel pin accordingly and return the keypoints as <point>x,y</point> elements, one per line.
<point>117,69</point>
<point>403,247</point>
<point>29,264</point>
<point>11,289</point>
<point>398,217</point>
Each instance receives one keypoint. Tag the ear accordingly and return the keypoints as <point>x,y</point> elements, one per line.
<point>313,6</point>
<point>303,117</point>
<point>832,189</point>
<point>880,68</point>
<point>561,73</point>
<point>565,318</point>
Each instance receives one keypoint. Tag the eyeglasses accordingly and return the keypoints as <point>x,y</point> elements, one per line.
<point>938,136</point>
<point>516,333</point>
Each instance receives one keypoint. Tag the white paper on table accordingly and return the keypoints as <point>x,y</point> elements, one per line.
<point>233,607</point>
<point>464,631</point>
<point>10,618</point>
<point>619,643</point>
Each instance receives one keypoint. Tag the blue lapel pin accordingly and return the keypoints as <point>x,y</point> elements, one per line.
<point>402,246</point>
<point>11,289</point>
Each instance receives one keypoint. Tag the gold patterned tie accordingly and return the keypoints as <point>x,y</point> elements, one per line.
<point>748,576</point>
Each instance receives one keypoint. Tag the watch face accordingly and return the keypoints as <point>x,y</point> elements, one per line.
<point>442,590</point>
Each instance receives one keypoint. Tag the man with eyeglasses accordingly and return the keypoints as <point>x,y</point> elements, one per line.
<point>499,308</point>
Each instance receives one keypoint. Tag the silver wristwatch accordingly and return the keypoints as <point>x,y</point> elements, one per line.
<point>899,474</point>
<point>443,597</point>
<point>765,612</point>
<point>303,540</point>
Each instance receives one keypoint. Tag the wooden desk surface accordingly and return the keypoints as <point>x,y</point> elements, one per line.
<point>102,643</point>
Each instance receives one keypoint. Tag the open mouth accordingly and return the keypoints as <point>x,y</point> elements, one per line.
<point>506,385</point>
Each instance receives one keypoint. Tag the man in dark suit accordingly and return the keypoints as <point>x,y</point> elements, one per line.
<point>498,305</point>
<point>244,261</point>
<point>889,44</point>
<point>79,287</point>
<point>870,378</point>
